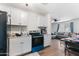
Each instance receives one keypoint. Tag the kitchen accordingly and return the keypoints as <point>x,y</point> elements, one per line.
<point>23,19</point>
<point>39,29</point>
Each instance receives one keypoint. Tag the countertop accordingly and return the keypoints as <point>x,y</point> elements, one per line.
<point>12,37</point>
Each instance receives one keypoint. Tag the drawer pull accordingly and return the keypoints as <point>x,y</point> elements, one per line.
<point>21,42</point>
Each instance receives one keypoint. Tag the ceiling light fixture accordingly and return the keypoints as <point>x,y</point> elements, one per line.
<point>55,20</point>
<point>26,4</point>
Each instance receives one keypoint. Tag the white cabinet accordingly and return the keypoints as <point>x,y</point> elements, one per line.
<point>24,18</point>
<point>47,39</point>
<point>15,16</point>
<point>26,44</point>
<point>33,21</point>
<point>43,20</point>
<point>18,17</point>
<point>14,46</point>
<point>19,45</point>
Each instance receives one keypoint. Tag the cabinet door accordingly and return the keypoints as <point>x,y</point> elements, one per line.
<point>15,47</point>
<point>24,18</point>
<point>20,45</point>
<point>15,17</point>
<point>12,44</point>
<point>27,45</point>
<point>47,39</point>
<point>46,43</point>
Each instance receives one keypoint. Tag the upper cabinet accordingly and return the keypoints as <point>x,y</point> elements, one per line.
<point>24,19</point>
<point>43,20</point>
<point>18,17</point>
<point>15,17</point>
<point>33,21</point>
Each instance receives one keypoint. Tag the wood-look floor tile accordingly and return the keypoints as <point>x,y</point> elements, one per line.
<point>55,49</point>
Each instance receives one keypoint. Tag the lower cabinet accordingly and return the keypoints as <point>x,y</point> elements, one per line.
<point>47,40</point>
<point>26,45</point>
<point>20,45</point>
<point>46,43</point>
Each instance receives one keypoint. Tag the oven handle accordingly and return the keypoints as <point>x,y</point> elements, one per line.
<point>37,36</point>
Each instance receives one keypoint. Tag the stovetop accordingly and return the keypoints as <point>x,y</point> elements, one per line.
<point>36,34</point>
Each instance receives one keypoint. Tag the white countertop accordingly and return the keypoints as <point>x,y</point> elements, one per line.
<point>19,36</point>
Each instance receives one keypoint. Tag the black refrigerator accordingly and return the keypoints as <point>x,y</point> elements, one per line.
<point>3,33</point>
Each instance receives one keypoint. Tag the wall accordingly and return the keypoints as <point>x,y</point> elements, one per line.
<point>65,27</point>
<point>76,25</point>
<point>53,27</point>
<point>49,24</point>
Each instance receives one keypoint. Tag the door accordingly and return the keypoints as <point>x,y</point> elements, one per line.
<point>3,33</point>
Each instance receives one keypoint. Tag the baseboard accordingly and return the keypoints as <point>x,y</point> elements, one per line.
<point>31,52</point>
<point>23,54</point>
<point>46,46</point>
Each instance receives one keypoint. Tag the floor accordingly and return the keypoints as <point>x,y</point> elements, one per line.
<point>55,49</point>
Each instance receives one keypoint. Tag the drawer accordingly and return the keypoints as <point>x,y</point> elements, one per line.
<point>46,43</point>
<point>46,40</point>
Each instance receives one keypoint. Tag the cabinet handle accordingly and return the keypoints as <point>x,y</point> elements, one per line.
<point>21,42</point>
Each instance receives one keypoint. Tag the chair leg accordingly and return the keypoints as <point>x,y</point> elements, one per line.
<point>69,53</point>
<point>65,52</point>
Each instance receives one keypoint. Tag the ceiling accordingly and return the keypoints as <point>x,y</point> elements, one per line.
<point>61,11</point>
<point>36,7</point>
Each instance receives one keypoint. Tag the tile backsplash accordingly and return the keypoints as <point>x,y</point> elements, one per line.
<point>17,29</point>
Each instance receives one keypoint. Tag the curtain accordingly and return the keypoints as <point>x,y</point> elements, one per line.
<point>72,26</point>
<point>58,28</point>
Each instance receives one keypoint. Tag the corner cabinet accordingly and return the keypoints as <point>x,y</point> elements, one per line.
<point>47,40</point>
<point>19,45</point>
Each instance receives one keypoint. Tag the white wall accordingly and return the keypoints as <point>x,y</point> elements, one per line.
<point>76,25</point>
<point>65,27</point>
<point>54,27</point>
<point>49,24</point>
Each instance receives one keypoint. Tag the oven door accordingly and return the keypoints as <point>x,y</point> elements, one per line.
<point>37,40</point>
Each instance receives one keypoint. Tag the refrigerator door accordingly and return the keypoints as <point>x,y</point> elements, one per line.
<point>3,33</point>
